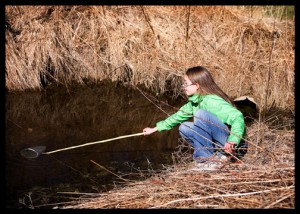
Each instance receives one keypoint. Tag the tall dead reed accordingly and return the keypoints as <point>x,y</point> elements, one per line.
<point>153,46</point>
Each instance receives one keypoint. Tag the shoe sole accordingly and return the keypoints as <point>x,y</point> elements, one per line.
<point>199,169</point>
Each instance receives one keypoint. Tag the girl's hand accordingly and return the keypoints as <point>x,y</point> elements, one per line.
<point>228,147</point>
<point>148,130</point>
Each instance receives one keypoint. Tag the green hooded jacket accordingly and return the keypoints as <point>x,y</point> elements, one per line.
<point>214,104</point>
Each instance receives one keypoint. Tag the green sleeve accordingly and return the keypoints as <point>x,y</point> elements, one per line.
<point>183,114</point>
<point>237,130</point>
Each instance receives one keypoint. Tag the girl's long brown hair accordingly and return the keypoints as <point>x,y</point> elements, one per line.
<point>203,77</point>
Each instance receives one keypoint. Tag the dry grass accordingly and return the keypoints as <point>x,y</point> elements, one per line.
<point>263,179</point>
<point>153,46</point>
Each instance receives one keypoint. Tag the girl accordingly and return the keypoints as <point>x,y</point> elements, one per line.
<point>217,125</point>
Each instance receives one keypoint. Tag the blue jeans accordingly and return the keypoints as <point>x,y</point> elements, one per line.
<point>204,137</point>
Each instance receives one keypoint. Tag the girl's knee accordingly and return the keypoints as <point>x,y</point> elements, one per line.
<point>201,117</point>
<point>184,128</point>
<point>201,113</point>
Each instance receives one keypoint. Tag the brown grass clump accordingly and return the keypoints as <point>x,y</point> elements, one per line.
<point>263,179</point>
<point>248,52</point>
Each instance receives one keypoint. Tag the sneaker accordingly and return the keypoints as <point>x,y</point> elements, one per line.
<point>223,157</point>
<point>218,158</point>
<point>206,166</point>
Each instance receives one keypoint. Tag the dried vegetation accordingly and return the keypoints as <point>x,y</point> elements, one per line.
<point>249,53</point>
<point>264,178</point>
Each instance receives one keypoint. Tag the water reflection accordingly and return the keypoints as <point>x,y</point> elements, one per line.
<point>67,116</point>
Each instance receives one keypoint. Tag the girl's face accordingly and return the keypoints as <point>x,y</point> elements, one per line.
<point>189,87</point>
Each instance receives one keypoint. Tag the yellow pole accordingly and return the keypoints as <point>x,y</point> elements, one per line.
<point>87,144</point>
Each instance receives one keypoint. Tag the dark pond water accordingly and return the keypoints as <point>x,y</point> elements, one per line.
<point>60,117</point>
<point>68,116</point>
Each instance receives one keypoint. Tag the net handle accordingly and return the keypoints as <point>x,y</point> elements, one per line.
<point>96,142</point>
